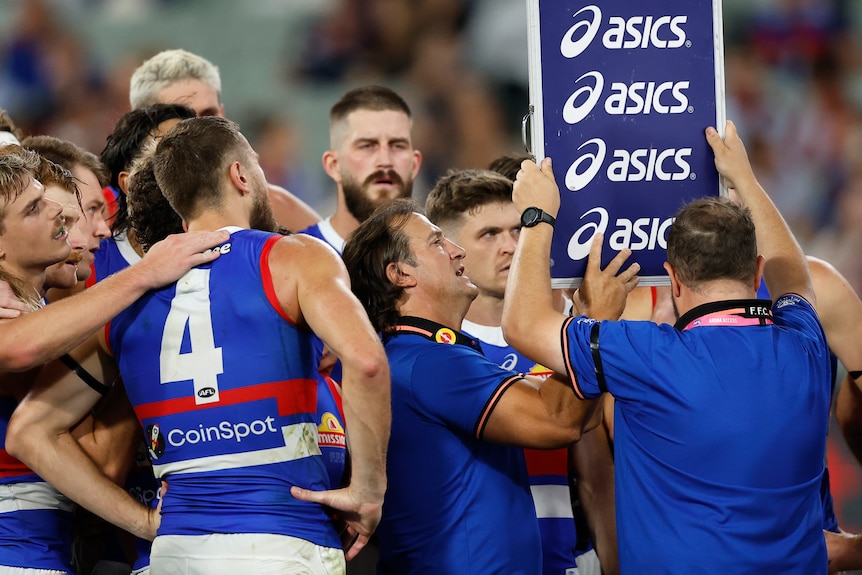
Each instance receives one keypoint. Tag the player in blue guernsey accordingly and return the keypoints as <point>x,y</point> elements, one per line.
<point>34,236</point>
<point>458,499</point>
<point>720,421</point>
<point>266,408</point>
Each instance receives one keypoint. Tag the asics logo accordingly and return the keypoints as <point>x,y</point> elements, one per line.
<point>636,235</point>
<point>623,33</point>
<point>585,168</point>
<point>639,165</point>
<point>625,99</point>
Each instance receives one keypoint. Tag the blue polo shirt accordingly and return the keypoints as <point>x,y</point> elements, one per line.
<point>720,426</point>
<point>455,503</point>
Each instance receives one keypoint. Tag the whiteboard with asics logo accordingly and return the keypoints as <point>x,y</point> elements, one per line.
<point>621,92</point>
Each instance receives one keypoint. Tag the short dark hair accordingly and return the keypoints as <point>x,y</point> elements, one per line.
<point>463,191</point>
<point>377,242</point>
<point>190,160</point>
<point>712,239</point>
<point>124,146</point>
<point>374,98</point>
<point>150,213</point>
<point>508,164</point>
<point>68,155</point>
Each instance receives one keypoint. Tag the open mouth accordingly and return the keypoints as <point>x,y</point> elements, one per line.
<point>460,271</point>
<point>61,233</point>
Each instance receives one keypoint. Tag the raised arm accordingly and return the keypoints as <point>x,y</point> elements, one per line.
<point>327,305</point>
<point>36,338</point>
<point>785,270</point>
<point>531,324</point>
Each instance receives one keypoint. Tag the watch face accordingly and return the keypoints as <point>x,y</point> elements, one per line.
<point>530,217</point>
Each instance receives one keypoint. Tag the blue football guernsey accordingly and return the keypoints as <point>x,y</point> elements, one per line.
<point>720,426</point>
<point>455,504</point>
<point>224,386</point>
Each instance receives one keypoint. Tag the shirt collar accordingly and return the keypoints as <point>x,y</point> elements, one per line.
<point>433,331</point>
<point>748,312</point>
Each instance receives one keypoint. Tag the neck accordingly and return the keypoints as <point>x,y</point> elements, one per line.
<point>450,316</point>
<point>32,280</point>
<point>718,290</point>
<point>342,220</point>
<point>215,220</point>
<point>486,310</point>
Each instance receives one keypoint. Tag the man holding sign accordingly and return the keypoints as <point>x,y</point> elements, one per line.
<point>702,483</point>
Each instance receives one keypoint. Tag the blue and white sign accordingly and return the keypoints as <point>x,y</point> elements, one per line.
<point>621,92</point>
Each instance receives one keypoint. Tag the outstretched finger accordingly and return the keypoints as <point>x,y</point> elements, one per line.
<point>617,262</point>
<point>630,277</point>
<point>548,168</point>
<point>594,260</point>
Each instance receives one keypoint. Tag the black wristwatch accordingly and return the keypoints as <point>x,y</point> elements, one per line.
<point>533,216</point>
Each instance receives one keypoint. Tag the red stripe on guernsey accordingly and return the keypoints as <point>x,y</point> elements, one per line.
<point>335,389</point>
<point>547,462</point>
<point>91,281</point>
<point>11,467</point>
<point>266,275</point>
<point>108,339</point>
<point>654,293</point>
<point>293,396</point>
<point>570,371</point>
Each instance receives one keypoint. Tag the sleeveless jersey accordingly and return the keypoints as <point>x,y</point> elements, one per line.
<point>548,469</point>
<point>224,386</point>
<point>35,519</point>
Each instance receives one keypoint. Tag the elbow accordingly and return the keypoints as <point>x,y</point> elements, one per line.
<point>19,439</point>
<point>514,327</point>
<point>20,355</point>
<point>369,365</point>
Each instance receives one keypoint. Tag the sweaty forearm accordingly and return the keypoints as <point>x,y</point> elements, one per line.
<point>528,290</point>
<point>41,336</point>
<point>366,400</point>
<point>59,460</point>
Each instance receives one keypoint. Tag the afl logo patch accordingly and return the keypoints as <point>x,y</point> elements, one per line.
<point>445,335</point>
<point>206,392</point>
<point>155,441</point>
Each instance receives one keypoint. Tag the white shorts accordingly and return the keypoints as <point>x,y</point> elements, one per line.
<point>237,553</point>
<point>27,571</point>
<point>588,564</point>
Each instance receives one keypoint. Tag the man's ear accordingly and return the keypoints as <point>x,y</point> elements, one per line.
<point>123,181</point>
<point>396,275</point>
<point>761,262</point>
<point>674,282</point>
<point>330,165</point>
<point>238,178</point>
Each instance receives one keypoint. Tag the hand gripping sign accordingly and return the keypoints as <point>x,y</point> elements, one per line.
<point>621,92</point>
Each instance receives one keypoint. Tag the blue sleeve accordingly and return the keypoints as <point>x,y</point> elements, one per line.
<point>578,356</point>
<point>459,386</point>
<point>793,312</point>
